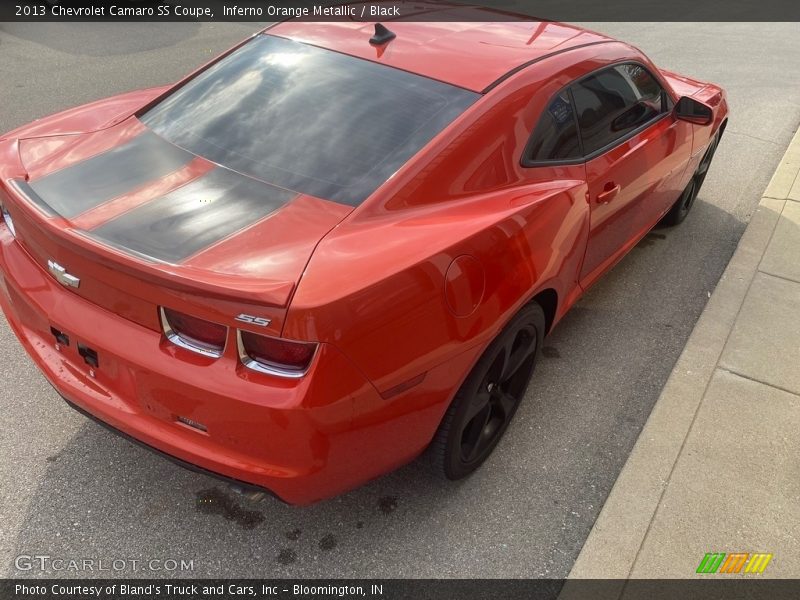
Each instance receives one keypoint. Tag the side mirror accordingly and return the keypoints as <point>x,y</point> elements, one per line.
<point>693,111</point>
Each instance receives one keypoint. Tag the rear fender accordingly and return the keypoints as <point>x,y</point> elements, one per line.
<point>441,279</point>
<point>87,118</point>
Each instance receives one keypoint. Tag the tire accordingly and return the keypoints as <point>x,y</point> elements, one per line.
<point>685,201</point>
<point>487,400</point>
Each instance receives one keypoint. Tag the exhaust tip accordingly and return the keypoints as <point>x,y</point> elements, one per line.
<point>193,424</point>
<point>247,494</point>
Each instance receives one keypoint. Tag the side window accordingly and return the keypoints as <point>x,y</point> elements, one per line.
<point>615,101</point>
<point>555,136</point>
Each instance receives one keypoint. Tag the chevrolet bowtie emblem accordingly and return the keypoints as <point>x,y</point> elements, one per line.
<point>61,275</point>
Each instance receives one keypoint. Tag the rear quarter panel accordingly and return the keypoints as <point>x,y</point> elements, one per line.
<point>94,116</point>
<point>401,325</point>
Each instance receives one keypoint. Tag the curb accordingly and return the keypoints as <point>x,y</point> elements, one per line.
<point>613,545</point>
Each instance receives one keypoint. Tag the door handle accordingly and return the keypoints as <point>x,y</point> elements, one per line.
<point>608,194</point>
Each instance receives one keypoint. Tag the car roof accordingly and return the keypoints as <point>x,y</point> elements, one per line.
<point>471,54</point>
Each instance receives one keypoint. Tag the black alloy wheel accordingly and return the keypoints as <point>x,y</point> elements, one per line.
<point>489,397</point>
<point>684,203</point>
<point>687,199</point>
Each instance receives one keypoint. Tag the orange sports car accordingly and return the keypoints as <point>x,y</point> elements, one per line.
<point>338,245</point>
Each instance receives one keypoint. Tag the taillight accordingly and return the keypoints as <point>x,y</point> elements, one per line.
<point>8,220</point>
<point>191,333</point>
<point>273,355</point>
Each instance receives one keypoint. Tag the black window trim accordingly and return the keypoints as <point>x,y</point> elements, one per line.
<point>584,158</point>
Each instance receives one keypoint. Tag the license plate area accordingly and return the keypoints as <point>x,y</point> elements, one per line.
<point>88,354</point>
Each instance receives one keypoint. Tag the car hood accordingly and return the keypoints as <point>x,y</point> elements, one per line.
<point>142,201</point>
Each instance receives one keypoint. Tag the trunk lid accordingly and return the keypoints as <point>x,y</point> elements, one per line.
<point>144,223</point>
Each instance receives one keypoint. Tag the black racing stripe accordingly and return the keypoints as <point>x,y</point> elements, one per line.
<point>23,188</point>
<point>75,189</point>
<point>193,217</point>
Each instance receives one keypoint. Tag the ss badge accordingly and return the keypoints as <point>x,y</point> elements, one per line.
<point>261,321</point>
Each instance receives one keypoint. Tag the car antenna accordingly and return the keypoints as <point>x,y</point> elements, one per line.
<point>382,35</point>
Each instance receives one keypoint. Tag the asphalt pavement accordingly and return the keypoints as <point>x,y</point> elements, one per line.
<point>69,489</point>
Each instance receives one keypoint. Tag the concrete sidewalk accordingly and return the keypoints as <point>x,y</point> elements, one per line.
<point>717,465</point>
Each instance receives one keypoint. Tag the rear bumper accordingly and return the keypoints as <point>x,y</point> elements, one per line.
<point>244,486</point>
<point>303,440</point>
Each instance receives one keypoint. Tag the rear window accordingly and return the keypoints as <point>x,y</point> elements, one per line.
<point>556,135</point>
<point>307,119</point>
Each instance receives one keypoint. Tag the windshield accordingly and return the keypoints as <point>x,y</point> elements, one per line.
<point>307,119</point>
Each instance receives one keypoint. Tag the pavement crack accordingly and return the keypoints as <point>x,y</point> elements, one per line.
<point>781,277</point>
<point>754,380</point>
<point>752,137</point>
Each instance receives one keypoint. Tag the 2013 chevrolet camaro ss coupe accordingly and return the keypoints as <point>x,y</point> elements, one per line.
<point>339,245</point>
